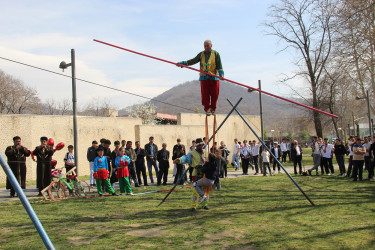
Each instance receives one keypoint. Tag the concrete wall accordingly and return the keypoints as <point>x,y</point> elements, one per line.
<point>190,126</point>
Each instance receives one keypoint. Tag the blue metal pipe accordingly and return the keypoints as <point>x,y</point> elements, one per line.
<point>273,156</point>
<point>25,202</point>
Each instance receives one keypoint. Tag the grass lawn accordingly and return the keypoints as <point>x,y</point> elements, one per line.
<point>252,212</point>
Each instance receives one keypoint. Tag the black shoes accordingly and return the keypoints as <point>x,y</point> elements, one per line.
<point>114,194</point>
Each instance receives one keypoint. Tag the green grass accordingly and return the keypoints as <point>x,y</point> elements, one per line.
<point>259,212</point>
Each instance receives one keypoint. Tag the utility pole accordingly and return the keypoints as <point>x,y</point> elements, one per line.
<point>64,65</point>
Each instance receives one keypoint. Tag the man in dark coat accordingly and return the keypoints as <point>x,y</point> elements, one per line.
<point>163,159</point>
<point>43,155</point>
<point>140,163</point>
<point>16,159</point>
<point>178,151</point>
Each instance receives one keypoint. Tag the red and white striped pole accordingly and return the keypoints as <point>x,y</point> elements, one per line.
<point>228,80</point>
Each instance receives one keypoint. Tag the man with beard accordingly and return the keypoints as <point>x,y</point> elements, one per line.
<point>16,159</point>
<point>43,155</point>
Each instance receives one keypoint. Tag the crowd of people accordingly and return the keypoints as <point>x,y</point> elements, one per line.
<point>126,164</point>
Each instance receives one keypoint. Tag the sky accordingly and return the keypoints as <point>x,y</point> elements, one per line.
<point>42,33</point>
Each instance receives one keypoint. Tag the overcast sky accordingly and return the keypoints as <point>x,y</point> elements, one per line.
<point>42,33</point>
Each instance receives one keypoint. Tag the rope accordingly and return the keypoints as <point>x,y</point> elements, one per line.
<point>94,83</point>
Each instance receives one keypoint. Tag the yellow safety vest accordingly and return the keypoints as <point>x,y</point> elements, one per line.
<point>209,66</point>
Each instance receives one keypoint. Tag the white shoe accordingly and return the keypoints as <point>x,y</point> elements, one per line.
<point>202,199</point>
<point>122,194</point>
<point>130,194</point>
<point>333,174</point>
<point>329,174</point>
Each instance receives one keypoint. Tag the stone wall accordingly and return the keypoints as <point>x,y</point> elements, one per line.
<point>190,126</point>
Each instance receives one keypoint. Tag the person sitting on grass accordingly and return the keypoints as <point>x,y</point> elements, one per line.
<point>208,179</point>
<point>101,173</point>
<point>122,175</point>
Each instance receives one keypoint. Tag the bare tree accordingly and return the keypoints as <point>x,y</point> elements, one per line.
<point>305,27</point>
<point>98,107</point>
<point>65,107</point>
<point>16,97</point>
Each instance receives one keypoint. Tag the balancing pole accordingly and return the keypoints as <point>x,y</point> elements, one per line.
<point>184,173</point>
<point>228,80</point>
<point>26,204</point>
<point>273,156</point>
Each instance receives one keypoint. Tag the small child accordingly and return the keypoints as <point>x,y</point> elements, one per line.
<point>69,159</point>
<point>266,162</point>
<point>209,172</point>
<point>122,163</point>
<point>101,173</point>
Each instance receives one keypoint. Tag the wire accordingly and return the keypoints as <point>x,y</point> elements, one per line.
<point>94,83</point>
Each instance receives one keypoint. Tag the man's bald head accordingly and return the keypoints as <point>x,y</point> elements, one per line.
<point>207,45</point>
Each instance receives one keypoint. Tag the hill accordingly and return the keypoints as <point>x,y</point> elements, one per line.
<point>188,95</point>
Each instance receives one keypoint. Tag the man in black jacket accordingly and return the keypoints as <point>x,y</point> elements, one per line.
<point>151,157</point>
<point>178,151</point>
<point>372,159</point>
<point>91,155</point>
<point>340,152</point>
<point>276,152</point>
<point>163,159</point>
<point>140,163</point>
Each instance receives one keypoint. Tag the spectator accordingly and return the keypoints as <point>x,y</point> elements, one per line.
<point>289,146</point>
<point>265,156</point>
<point>315,147</point>
<point>91,155</point>
<point>350,145</point>
<point>16,155</point>
<point>123,143</point>
<point>296,155</point>
<point>43,154</point>
<point>225,153</point>
<point>140,163</point>
<point>367,145</point>
<point>151,157</point>
<point>236,155</point>
<point>220,163</point>
<point>69,159</point>
<point>284,150</point>
<point>327,152</point>
<point>178,151</point>
<point>101,173</point>
<point>340,152</point>
<point>163,159</point>
<point>244,153</point>
<point>115,153</point>
<point>192,148</point>
<point>277,153</point>
<point>359,151</point>
<point>255,153</point>
<point>129,151</point>
<point>372,157</point>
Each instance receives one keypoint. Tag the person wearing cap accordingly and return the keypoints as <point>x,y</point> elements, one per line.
<point>151,150</point>
<point>91,155</point>
<point>43,154</point>
<point>210,62</point>
<point>359,151</point>
<point>277,153</point>
<point>196,159</point>
<point>327,152</point>
<point>16,155</point>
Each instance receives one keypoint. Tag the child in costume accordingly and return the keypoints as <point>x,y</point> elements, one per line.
<point>122,163</point>
<point>101,173</point>
<point>196,159</point>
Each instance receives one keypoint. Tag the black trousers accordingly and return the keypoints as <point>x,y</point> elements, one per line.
<point>367,162</point>
<point>190,173</point>
<point>298,160</point>
<point>371,170</point>
<point>275,163</point>
<point>328,166</point>
<point>358,169</point>
<point>141,169</point>
<point>283,157</point>
<point>133,175</point>
<point>180,170</point>
<point>245,164</point>
<point>350,166</point>
<point>163,172</point>
<point>255,160</point>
